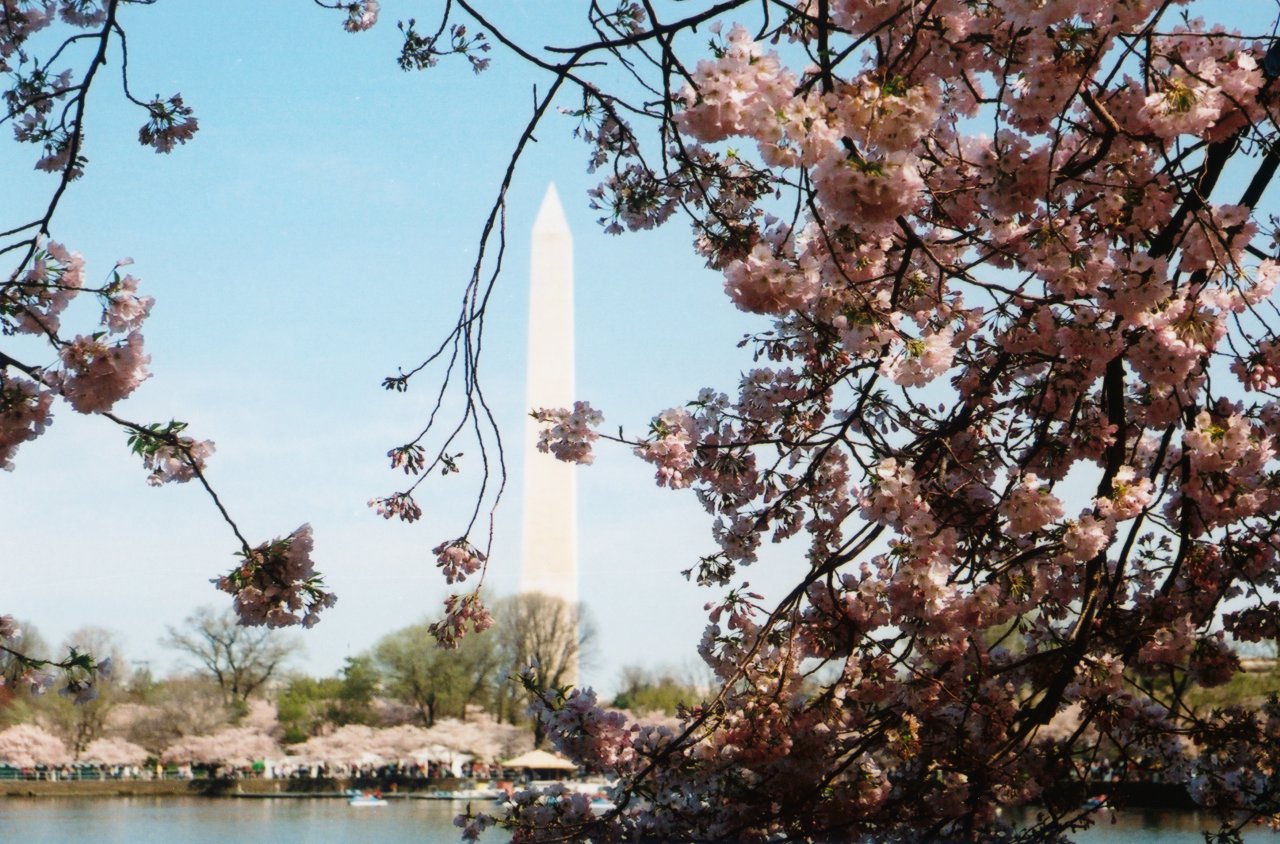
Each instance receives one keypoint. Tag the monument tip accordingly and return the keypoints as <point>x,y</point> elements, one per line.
<point>551,219</point>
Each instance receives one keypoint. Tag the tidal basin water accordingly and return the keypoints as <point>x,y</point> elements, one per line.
<point>129,820</point>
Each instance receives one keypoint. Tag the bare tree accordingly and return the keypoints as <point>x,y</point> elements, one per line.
<point>177,707</point>
<point>30,644</point>
<point>77,715</point>
<point>84,719</point>
<point>240,659</point>
<point>544,640</point>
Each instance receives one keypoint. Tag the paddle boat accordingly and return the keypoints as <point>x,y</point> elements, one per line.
<point>464,794</point>
<point>365,798</point>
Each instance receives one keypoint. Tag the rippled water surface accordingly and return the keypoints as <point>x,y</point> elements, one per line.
<point>129,820</point>
<point>1150,826</point>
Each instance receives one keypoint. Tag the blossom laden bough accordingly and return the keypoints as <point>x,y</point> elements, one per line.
<point>94,368</point>
<point>1013,418</point>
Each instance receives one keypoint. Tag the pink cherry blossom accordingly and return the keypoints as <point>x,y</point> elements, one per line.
<point>235,746</point>
<point>277,584</point>
<point>97,374</point>
<point>171,123</point>
<point>126,310</point>
<point>570,434</point>
<point>1031,506</point>
<point>458,559</point>
<point>463,614</point>
<point>178,463</point>
<point>24,415</point>
<point>361,15</point>
<point>26,746</point>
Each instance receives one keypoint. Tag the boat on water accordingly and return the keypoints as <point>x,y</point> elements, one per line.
<point>365,798</point>
<point>1094,803</point>
<point>465,794</point>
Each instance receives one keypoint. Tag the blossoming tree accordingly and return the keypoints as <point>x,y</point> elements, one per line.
<point>26,745</point>
<point>237,747</point>
<point>1014,418</point>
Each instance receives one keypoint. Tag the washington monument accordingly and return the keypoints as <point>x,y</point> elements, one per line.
<point>550,527</point>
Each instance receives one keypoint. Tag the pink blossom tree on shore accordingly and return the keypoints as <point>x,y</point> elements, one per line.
<point>114,750</point>
<point>26,746</point>
<point>481,736</point>
<point>1014,418</point>
<point>356,744</point>
<point>237,747</point>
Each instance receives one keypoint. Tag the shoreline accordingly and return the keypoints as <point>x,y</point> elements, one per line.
<point>215,788</point>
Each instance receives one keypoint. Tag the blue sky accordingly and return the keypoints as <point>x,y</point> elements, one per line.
<point>316,234</point>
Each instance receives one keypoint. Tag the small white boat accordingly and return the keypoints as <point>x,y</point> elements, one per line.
<point>366,798</point>
<point>465,794</point>
<point>1094,803</point>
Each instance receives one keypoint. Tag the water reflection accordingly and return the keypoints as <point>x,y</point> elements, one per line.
<point>1156,826</point>
<point>127,820</point>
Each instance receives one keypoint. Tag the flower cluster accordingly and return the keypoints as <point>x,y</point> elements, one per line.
<point>570,436</point>
<point>463,614</point>
<point>672,448</point>
<point>361,15</point>
<point>400,505</point>
<point>1129,495</point>
<point>458,559</point>
<point>277,584</point>
<point>82,13</point>
<point>167,454</point>
<point>579,727</point>
<point>1030,506</point>
<point>177,462</point>
<point>125,309</point>
<point>97,373</point>
<point>24,414</point>
<point>171,122</point>
<point>34,301</point>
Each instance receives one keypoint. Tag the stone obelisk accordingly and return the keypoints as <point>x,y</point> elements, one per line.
<point>550,535</point>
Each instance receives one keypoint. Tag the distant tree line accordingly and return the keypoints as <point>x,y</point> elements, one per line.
<point>237,674</point>
<point>241,675</point>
